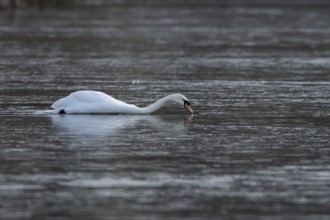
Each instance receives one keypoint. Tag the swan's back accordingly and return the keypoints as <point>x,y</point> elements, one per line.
<point>90,102</point>
<point>82,97</point>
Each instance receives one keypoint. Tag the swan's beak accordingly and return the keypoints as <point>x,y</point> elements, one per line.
<point>188,107</point>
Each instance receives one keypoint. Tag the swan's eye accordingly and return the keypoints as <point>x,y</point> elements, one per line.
<point>186,102</point>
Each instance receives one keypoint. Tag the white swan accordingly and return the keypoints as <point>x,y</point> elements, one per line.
<point>84,102</point>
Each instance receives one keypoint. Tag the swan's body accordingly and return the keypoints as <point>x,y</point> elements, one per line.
<point>85,102</point>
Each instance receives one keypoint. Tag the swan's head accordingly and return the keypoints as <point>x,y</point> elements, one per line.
<point>182,100</point>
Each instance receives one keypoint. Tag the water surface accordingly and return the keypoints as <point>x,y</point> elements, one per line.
<point>255,148</point>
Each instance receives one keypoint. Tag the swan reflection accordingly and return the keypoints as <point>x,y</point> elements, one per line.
<point>103,125</point>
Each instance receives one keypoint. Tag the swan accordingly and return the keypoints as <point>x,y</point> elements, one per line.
<point>96,102</point>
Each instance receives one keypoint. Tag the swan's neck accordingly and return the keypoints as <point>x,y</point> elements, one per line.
<point>156,105</point>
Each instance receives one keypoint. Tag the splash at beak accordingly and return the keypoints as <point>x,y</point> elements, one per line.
<point>188,107</point>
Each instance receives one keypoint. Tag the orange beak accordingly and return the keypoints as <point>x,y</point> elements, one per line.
<point>188,107</point>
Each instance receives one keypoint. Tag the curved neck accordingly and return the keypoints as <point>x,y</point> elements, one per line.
<point>156,105</point>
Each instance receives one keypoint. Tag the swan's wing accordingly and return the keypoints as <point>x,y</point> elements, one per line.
<point>82,97</point>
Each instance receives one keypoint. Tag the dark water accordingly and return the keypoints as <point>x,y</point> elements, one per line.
<point>257,146</point>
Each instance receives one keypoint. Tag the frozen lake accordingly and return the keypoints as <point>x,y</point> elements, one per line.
<point>257,146</point>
